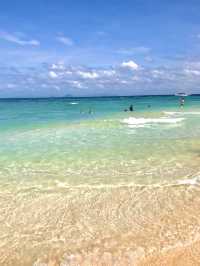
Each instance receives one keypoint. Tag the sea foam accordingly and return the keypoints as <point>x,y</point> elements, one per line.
<point>181,113</point>
<point>191,181</point>
<point>73,103</point>
<point>142,122</point>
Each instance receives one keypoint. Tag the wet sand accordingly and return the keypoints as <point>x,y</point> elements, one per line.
<point>124,225</point>
<point>181,256</point>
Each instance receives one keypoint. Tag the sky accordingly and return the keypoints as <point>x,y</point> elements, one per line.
<point>99,48</point>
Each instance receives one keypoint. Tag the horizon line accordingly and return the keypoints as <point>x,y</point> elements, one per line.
<point>103,96</point>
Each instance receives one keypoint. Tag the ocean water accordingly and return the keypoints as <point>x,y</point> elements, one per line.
<point>92,141</point>
<point>82,179</point>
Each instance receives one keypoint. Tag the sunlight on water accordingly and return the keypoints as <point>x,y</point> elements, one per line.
<point>80,186</point>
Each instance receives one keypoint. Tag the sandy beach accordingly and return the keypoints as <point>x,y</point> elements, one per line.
<point>108,189</point>
<point>99,133</point>
<point>101,226</point>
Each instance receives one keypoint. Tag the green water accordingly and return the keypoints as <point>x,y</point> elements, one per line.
<point>92,141</point>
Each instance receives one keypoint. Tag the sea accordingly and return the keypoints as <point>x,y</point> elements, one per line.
<point>85,181</point>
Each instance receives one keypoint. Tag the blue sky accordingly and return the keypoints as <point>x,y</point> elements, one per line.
<point>54,48</point>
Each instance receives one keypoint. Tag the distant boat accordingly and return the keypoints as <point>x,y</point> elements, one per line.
<point>181,94</point>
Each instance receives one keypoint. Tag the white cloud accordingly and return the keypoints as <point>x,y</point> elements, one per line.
<point>124,82</point>
<point>65,40</point>
<point>68,72</point>
<point>11,86</point>
<point>130,64</point>
<point>52,74</point>
<point>157,73</point>
<point>58,66</point>
<point>57,88</point>
<point>16,39</point>
<point>191,65</point>
<point>76,84</point>
<point>54,66</point>
<point>63,79</point>
<point>88,75</point>
<point>109,73</point>
<point>192,72</point>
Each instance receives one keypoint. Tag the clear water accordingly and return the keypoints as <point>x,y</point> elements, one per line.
<point>82,182</point>
<point>93,141</point>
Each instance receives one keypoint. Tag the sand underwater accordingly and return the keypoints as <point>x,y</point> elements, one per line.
<point>84,183</point>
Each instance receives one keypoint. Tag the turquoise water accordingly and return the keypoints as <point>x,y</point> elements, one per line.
<point>92,141</point>
<point>83,182</point>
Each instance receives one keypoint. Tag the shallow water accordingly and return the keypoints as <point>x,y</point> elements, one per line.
<point>82,181</point>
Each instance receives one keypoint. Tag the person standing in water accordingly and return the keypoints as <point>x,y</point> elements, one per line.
<point>131,108</point>
<point>182,101</point>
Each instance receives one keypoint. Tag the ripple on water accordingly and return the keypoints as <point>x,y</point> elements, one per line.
<point>84,224</point>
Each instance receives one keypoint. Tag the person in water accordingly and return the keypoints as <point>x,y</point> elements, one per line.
<point>182,101</point>
<point>131,108</point>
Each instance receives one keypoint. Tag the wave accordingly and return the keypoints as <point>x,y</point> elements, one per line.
<point>73,103</point>
<point>142,122</point>
<point>181,113</point>
<point>193,181</point>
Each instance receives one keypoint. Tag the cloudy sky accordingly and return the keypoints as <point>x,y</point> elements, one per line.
<point>99,47</point>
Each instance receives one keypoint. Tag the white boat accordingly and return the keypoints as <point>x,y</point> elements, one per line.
<point>181,94</point>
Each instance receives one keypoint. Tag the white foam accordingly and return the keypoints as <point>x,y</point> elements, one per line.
<point>73,103</point>
<point>182,113</point>
<point>137,126</point>
<point>171,113</point>
<point>192,181</point>
<point>195,181</point>
<point>141,122</point>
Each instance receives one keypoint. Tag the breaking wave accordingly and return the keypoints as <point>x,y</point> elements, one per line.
<point>73,103</point>
<point>181,113</point>
<point>143,122</point>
